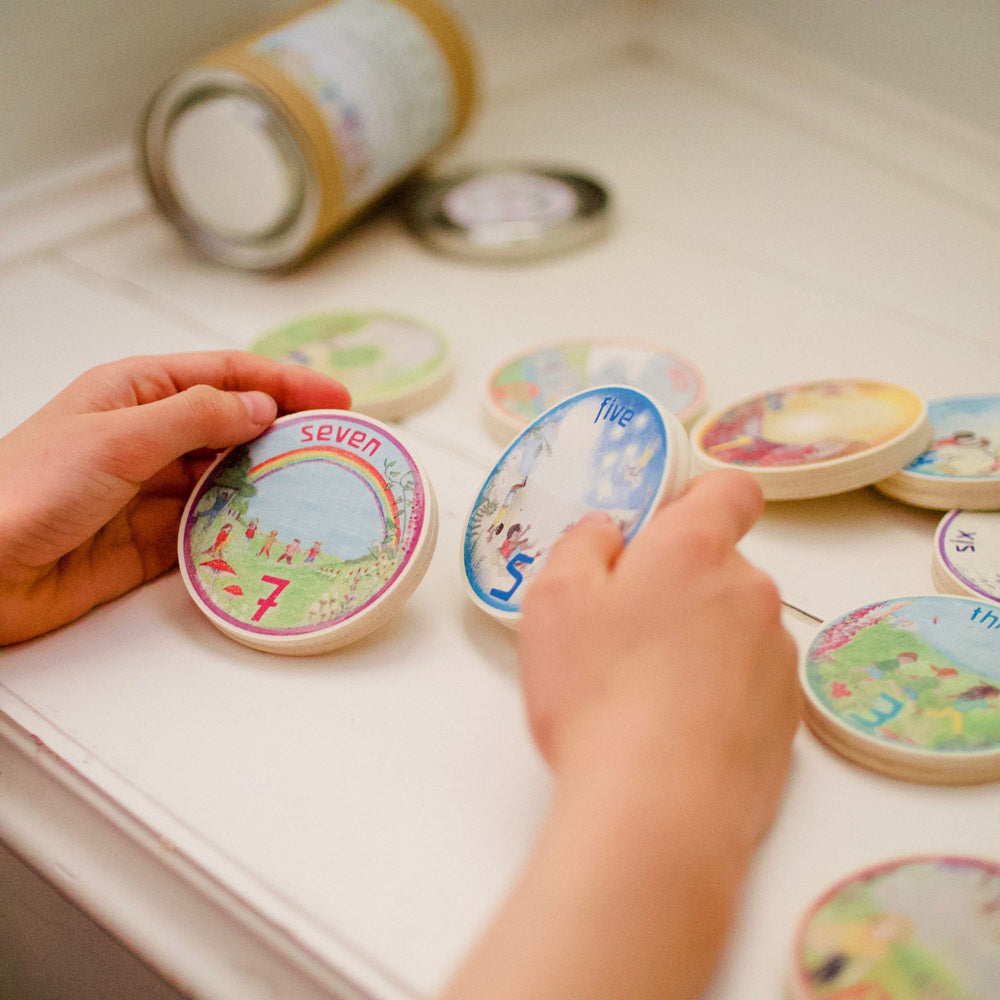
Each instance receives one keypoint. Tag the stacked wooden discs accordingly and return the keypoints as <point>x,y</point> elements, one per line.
<point>609,448</point>
<point>816,438</point>
<point>309,536</point>
<point>961,467</point>
<point>508,213</point>
<point>908,929</point>
<point>910,687</point>
<point>967,554</point>
<point>527,383</point>
<point>392,364</point>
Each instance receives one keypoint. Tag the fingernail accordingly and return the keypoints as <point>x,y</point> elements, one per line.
<point>261,408</point>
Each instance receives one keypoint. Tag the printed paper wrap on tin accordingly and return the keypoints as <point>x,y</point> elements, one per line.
<point>265,148</point>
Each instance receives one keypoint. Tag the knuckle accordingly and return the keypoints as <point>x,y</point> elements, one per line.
<point>554,587</point>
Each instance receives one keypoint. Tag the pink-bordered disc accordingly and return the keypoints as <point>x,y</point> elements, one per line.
<point>907,929</point>
<point>309,536</point>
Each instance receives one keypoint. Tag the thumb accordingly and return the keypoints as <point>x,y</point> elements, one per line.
<point>148,437</point>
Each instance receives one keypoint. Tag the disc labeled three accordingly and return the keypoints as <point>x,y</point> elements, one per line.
<point>610,448</point>
<point>508,212</point>
<point>914,928</point>
<point>309,536</point>
<point>961,466</point>
<point>967,554</point>
<point>910,687</point>
<point>526,384</point>
<point>815,438</point>
<point>392,364</point>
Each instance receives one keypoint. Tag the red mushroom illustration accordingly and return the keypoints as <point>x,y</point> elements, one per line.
<point>217,567</point>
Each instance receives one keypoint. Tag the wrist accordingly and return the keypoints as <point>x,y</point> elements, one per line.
<point>634,763</point>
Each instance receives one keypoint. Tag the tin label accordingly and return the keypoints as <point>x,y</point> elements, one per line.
<point>381,82</point>
<point>510,199</point>
<point>304,527</point>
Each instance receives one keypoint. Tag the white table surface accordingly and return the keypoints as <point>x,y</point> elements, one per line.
<point>345,824</point>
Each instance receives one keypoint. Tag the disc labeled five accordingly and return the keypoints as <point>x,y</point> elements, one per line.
<point>610,448</point>
<point>910,687</point>
<point>526,384</point>
<point>913,928</point>
<point>816,438</point>
<point>961,466</point>
<point>392,364</point>
<point>309,536</point>
<point>967,554</point>
<point>508,212</point>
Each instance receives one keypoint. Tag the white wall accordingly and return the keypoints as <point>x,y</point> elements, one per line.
<point>943,53</point>
<point>74,77</point>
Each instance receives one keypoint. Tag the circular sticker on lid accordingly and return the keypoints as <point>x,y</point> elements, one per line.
<point>816,438</point>
<point>961,466</point>
<point>391,364</point>
<point>309,536</point>
<point>909,929</point>
<point>509,198</point>
<point>525,385</point>
<point>610,448</point>
<point>508,212</point>
<point>967,554</point>
<point>910,687</point>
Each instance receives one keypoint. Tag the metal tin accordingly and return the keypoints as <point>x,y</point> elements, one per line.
<point>263,150</point>
<point>508,213</point>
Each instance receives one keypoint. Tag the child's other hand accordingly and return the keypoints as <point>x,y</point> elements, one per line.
<point>667,658</point>
<point>93,485</point>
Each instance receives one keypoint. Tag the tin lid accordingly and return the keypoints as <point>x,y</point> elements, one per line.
<point>224,164</point>
<point>961,467</point>
<point>815,438</point>
<point>392,364</point>
<point>967,554</point>
<point>232,167</point>
<point>529,382</point>
<point>910,687</point>
<point>508,213</point>
<point>907,929</point>
<point>609,448</point>
<point>309,536</point>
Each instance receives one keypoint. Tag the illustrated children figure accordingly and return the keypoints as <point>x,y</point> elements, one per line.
<point>517,539</point>
<point>290,549</point>
<point>252,527</point>
<point>215,549</point>
<point>312,553</point>
<point>265,549</point>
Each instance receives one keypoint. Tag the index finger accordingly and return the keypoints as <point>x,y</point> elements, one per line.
<point>145,379</point>
<point>729,500</point>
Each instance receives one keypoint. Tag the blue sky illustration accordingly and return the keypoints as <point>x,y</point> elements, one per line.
<point>969,644</point>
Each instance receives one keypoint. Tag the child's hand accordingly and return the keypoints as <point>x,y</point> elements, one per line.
<point>669,655</point>
<point>93,485</point>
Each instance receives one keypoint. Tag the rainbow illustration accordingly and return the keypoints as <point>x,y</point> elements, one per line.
<point>350,462</point>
